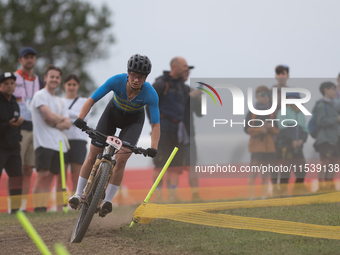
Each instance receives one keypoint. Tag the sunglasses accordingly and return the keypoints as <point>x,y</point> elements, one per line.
<point>140,77</point>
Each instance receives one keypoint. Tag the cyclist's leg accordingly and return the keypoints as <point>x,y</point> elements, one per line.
<point>86,168</point>
<point>84,175</point>
<point>89,161</point>
<point>75,172</point>
<point>118,172</point>
<point>106,125</point>
<point>131,126</point>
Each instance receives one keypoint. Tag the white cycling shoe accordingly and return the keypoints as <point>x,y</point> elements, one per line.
<point>105,208</point>
<point>74,201</point>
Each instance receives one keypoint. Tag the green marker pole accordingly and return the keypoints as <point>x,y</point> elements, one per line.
<point>62,170</point>
<point>60,249</point>
<point>32,233</point>
<point>158,178</point>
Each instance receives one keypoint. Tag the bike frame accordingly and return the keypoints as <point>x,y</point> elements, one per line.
<point>114,145</point>
<point>101,173</point>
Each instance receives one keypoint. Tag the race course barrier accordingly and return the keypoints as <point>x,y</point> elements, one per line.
<point>198,214</point>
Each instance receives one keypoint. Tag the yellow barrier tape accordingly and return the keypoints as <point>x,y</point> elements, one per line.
<point>136,196</point>
<point>289,201</point>
<point>195,213</point>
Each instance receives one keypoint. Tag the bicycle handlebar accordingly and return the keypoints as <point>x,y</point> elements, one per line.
<point>96,134</point>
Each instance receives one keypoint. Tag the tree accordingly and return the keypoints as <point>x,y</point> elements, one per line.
<point>67,33</point>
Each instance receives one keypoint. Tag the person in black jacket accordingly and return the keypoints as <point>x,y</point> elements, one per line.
<point>175,114</point>
<point>10,138</point>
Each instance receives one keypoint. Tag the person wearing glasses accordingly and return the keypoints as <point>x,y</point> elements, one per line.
<point>131,93</point>
<point>261,143</point>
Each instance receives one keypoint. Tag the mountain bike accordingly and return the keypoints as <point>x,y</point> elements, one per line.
<point>95,188</point>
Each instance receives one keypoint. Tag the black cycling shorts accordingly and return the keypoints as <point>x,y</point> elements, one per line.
<point>131,125</point>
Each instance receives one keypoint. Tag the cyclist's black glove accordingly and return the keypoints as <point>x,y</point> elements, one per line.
<point>80,123</point>
<point>151,152</point>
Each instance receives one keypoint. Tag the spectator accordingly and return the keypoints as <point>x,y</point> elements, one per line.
<point>27,85</point>
<point>173,102</point>
<point>337,107</point>
<point>10,137</point>
<point>193,107</point>
<point>290,145</point>
<point>50,118</point>
<point>281,75</point>
<point>77,139</point>
<point>261,144</point>
<point>327,121</point>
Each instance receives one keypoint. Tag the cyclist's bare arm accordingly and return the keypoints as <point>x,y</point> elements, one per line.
<point>86,108</point>
<point>155,134</point>
<point>50,118</point>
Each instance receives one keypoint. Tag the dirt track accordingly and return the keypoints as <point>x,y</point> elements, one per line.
<point>101,238</point>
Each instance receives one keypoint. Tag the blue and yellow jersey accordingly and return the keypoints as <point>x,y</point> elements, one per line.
<point>117,84</point>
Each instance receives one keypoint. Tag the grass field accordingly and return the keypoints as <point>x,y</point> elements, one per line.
<point>170,237</point>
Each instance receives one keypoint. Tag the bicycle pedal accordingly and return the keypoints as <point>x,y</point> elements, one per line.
<point>102,214</point>
<point>105,209</point>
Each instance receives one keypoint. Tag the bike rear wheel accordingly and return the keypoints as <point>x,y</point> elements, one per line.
<point>89,207</point>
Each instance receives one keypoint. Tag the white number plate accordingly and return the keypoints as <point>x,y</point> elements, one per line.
<point>115,142</point>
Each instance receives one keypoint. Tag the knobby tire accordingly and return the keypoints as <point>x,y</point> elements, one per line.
<point>89,207</point>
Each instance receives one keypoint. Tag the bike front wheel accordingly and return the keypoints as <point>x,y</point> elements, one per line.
<point>89,207</point>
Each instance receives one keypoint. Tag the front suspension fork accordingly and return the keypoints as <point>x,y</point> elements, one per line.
<point>113,163</point>
<point>95,167</point>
